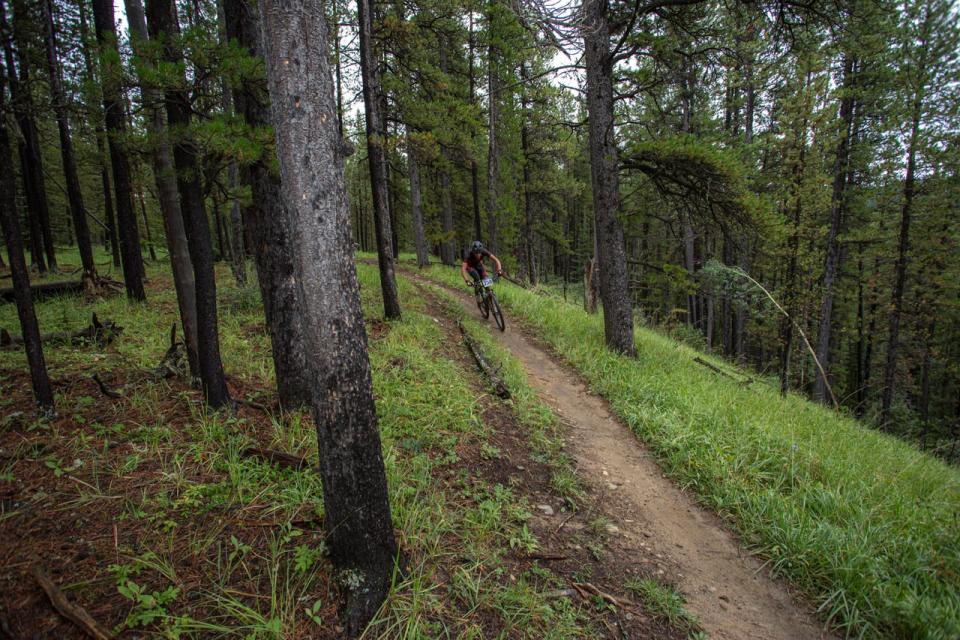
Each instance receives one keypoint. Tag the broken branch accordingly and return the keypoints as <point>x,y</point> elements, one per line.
<point>72,612</point>
<point>499,387</point>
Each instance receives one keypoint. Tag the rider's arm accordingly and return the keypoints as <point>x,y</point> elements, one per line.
<point>463,271</point>
<point>497,260</point>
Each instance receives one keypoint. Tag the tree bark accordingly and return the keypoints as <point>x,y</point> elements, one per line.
<point>110,73</point>
<point>447,251</point>
<point>416,204</point>
<point>376,154</point>
<point>42,392</point>
<point>900,270</point>
<point>264,218</point>
<point>168,195</point>
<point>358,521</point>
<point>31,159</point>
<point>493,111</point>
<point>164,27</point>
<point>474,169</point>
<point>74,193</point>
<point>604,172</point>
<point>108,212</point>
<point>528,252</point>
<point>837,208</point>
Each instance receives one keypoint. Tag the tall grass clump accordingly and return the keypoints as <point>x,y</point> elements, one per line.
<point>863,523</point>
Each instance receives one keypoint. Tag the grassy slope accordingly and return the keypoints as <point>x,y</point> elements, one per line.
<point>190,572</point>
<point>863,523</point>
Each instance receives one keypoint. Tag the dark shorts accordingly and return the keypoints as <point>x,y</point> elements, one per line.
<point>477,273</point>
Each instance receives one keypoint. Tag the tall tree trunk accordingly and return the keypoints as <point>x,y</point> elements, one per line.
<point>900,270</point>
<point>111,75</point>
<point>837,207</point>
<point>474,169</point>
<point>793,246</point>
<point>146,225</point>
<point>447,252</point>
<point>604,172</point>
<point>493,151</point>
<point>416,204</point>
<point>528,252</point>
<point>164,27</point>
<point>42,391</point>
<point>238,263</point>
<point>355,499</point>
<point>264,218</point>
<point>31,159</point>
<point>376,154</point>
<point>108,213</point>
<point>168,195</point>
<point>74,193</point>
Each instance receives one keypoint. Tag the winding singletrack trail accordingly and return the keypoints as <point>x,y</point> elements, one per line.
<point>729,590</point>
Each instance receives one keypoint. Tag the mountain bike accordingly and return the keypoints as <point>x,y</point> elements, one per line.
<point>487,301</point>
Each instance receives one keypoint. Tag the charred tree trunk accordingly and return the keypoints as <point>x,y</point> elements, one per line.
<point>376,154</point>
<point>604,171</point>
<point>163,25</point>
<point>42,392</point>
<point>356,503</point>
<point>837,207</point>
<point>74,193</point>
<point>41,236</point>
<point>108,213</point>
<point>264,218</point>
<point>114,116</point>
<point>167,193</point>
<point>447,251</point>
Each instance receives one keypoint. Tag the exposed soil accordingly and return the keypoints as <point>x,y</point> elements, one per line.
<point>660,529</point>
<point>575,544</point>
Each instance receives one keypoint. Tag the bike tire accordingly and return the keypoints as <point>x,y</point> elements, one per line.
<point>484,305</point>
<point>497,313</point>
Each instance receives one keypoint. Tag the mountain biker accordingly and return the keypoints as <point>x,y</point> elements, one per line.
<point>473,263</point>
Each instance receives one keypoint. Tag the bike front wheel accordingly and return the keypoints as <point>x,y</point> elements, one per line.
<point>483,301</point>
<point>497,313</point>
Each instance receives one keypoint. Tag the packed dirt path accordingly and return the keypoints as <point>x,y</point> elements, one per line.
<point>728,590</point>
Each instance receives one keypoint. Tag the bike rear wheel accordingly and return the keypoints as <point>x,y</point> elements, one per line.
<point>497,313</point>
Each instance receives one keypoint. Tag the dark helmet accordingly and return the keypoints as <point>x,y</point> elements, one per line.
<point>476,247</point>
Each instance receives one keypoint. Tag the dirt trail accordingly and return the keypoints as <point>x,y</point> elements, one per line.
<point>729,591</point>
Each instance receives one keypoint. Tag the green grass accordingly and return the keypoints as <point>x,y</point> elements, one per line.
<point>863,523</point>
<point>195,572</point>
<point>663,602</point>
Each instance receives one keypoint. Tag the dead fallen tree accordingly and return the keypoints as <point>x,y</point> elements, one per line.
<point>719,371</point>
<point>287,460</point>
<point>499,387</point>
<point>98,333</point>
<point>47,290</point>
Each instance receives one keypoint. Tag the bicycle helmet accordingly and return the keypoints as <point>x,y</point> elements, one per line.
<point>477,246</point>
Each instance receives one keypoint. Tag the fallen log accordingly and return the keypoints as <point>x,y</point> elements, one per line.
<point>287,460</point>
<point>72,612</point>
<point>98,333</point>
<point>721,372</point>
<point>110,393</point>
<point>47,290</point>
<point>499,387</point>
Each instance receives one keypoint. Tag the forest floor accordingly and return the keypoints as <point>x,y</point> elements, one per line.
<point>152,514</point>
<point>657,526</point>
